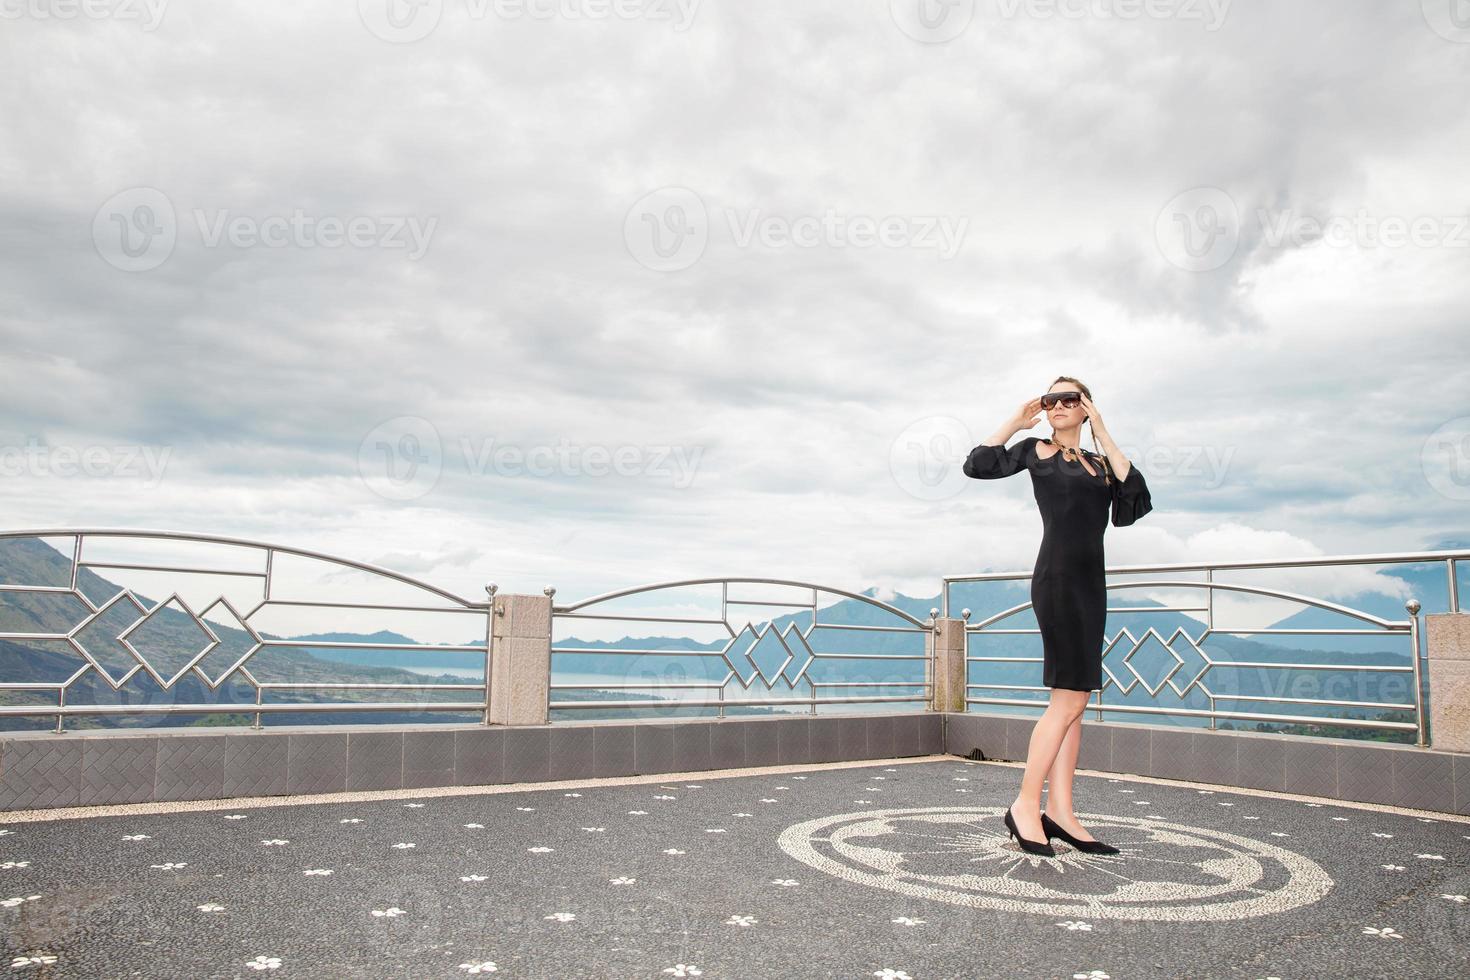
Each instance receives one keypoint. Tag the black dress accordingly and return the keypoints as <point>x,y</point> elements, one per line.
<point>1069,583</point>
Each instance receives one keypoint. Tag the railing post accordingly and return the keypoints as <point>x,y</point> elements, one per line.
<point>945,645</point>
<point>520,681</point>
<point>490,590</point>
<point>1448,664</point>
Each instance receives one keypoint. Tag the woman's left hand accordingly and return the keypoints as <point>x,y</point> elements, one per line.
<point>1093,415</point>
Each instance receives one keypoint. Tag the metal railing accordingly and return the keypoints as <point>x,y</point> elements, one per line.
<point>794,641</point>
<point>273,594</point>
<point>1408,629</point>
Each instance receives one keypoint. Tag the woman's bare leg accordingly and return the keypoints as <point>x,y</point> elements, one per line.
<point>1047,736</point>
<point>1059,783</point>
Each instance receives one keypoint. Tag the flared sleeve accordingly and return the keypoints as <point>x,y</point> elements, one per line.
<point>1130,497</point>
<point>993,462</point>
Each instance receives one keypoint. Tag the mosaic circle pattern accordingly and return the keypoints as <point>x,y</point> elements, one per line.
<point>1165,872</point>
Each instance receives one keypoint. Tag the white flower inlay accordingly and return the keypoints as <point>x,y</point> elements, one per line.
<point>136,837</point>
<point>1377,834</point>
<point>561,916</point>
<point>15,864</point>
<point>887,974</point>
<point>474,826</point>
<point>904,920</point>
<point>403,845</point>
<point>1076,924</point>
<point>785,882</point>
<point>40,959</point>
<point>672,850</point>
<point>238,816</point>
<point>683,970</point>
<point>350,820</point>
<point>1430,857</point>
<point>473,878</point>
<point>594,830</point>
<point>621,881</point>
<point>637,813</point>
<point>1456,898</point>
<point>1386,932</point>
<point>744,921</point>
<point>317,871</point>
<point>391,912</point>
<point>415,805</point>
<point>275,842</point>
<point>210,907</point>
<point>170,865</point>
<point>540,850</point>
<point>488,966</point>
<point>264,963</point>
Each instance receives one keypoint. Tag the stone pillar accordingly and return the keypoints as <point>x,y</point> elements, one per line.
<point>946,647</point>
<point>1448,649</point>
<point>520,659</point>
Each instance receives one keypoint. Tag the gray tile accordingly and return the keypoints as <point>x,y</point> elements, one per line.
<point>1365,774</point>
<point>1018,737</point>
<point>692,750</point>
<point>527,754</point>
<point>1462,784</point>
<point>762,743</point>
<point>1262,760</point>
<point>931,734</point>
<point>479,757</point>
<point>428,758</point>
<point>906,735</point>
<point>1423,779</point>
<point>653,748</point>
<point>40,773</point>
<point>374,760</point>
<point>852,739</point>
<point>985,732</point>
<point>119,770</point>
<point>1171,754</point>
<point>1311,768</point>
<point>613,751</point>
<point>826,739</point>
<point>316,763</point>
<point>880,737</point>
<point>727,744</point>
<point>1215,758</point>
<point>191,768</point>
<point>1131,749</point>
<point>1096,750</point>
<point>573,753</point>
<point>255,764</point>
<point>793,741</point>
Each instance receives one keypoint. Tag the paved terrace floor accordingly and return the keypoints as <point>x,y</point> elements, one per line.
<point>890,869</point>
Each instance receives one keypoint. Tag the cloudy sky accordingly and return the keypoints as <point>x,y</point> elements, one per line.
<point>595,295</point>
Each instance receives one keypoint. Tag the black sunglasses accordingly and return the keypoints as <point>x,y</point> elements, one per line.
<point>1068,399</point>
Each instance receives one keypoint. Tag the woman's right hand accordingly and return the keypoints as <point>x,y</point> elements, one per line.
<point>1027,415</point>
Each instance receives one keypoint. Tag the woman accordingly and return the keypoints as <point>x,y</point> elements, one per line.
<point>1075,490</point>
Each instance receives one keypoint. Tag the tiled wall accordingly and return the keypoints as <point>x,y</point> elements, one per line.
<point>42,769</point>
<point>39,769</point>
<point>1343,769</point>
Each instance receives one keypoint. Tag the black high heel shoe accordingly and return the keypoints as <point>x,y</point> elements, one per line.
<point>1054,829</point>
<point>1029,846</point>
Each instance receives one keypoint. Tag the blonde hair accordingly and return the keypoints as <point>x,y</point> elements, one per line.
<point>1107,470</point>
